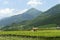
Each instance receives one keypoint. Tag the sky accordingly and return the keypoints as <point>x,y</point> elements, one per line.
<point>14,7</point>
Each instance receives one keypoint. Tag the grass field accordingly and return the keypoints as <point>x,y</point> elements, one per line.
<point>40,35</point>
<point>17,38</point>
<point>25,38</point>
<point>44,33</point>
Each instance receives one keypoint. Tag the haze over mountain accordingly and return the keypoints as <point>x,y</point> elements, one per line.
<point>51,16</point>
<point>28,15</point>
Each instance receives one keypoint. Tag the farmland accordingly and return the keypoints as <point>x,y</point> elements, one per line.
<point>30,35</point>
<point>44,33</point>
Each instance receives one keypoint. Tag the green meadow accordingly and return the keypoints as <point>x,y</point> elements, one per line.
<point>44,33</point>
<point>30,35</point>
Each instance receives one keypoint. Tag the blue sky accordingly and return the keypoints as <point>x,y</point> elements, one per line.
<point>14,7</point>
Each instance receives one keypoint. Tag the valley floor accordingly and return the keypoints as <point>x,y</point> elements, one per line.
<point>30,35</point>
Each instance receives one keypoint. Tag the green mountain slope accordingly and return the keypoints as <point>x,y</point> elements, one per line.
<point>28,15</point>
<point>50,18</point>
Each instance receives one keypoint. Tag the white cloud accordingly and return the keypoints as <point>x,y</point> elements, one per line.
<point>34,3</point>
<point>21,12</point>
<point>7,12</point>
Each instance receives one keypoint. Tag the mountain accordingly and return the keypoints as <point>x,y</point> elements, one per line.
<point>50,18</point>
<point>28,15</point>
